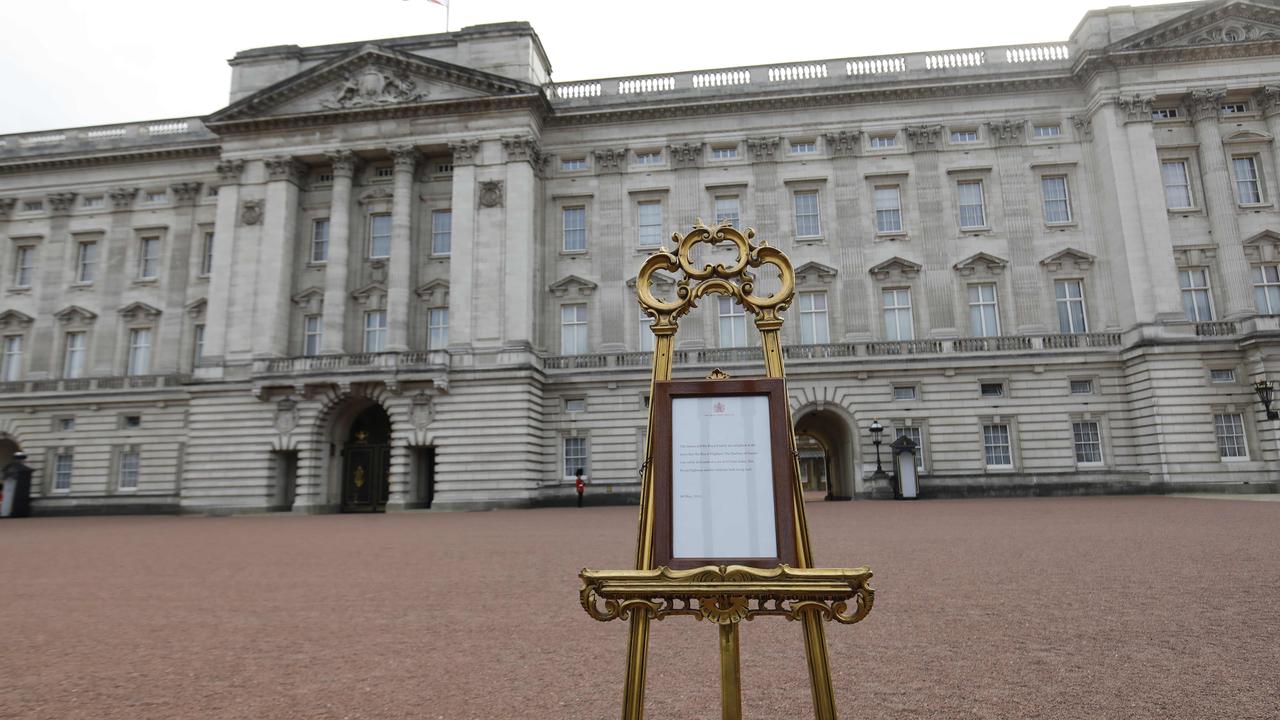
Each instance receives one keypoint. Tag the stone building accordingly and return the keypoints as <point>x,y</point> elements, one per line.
<point>401,273</point>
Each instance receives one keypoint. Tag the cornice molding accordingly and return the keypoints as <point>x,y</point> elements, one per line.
<point>61,161</point>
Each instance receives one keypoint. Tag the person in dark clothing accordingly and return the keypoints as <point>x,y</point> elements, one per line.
<point>18,471</point>
<point>582,487</point>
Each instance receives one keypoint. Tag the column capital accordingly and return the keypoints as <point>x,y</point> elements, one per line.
<point>687,155</point>
<point>229,171</point>
<point>1204,103</point>
<point>924,137</point>
<point>1136,108</point>
<point>405,157</point>
<point>1083,125</point>
<point>283,167</point>
<point>465,152</point>
<point>845,142</point>
<point>1268,99</point>
<point>61,202</point>
<point>122,197</point>
<point>344,163</point>
<point>185,192</point>
<point>1006,132</point>
<point>6,206</point>
<point>610,160</point>
<point>763,149</point>
<point>522,149</point>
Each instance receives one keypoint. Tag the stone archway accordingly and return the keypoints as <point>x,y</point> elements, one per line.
<point>831,435</point>
<point>359,437</point>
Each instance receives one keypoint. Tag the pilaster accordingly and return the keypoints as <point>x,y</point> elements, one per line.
<point>275,257</point>
<point>1018,223</point>
<point>462,259</point>
<point>182,238</point>
<point>337,264</point>
<point>519,282</point>
<point>113,276</point>
<point>1220,203</point>
<point>618,319</point>
<point>400,267</point>
<point>936,234</point>
<point>854,316</point>
<point>55,256</point>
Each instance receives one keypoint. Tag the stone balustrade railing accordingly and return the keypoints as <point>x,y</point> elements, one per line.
<point>89,384</point>
<point>818,74</point>
<point>105,137</point>
<point>308,364</point>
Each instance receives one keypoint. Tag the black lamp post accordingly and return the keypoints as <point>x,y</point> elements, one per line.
<point>1266,392</point>
<point>876,428</point>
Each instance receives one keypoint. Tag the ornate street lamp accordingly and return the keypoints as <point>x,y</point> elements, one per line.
<point>876,428</point>
<point>1266,392</point>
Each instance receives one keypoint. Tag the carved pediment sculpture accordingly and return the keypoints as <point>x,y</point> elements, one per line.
<point>1213,24</point>
<point>196,308</point>
<point>373,85</point>
<point>138,311</point>
<point>75,315</point>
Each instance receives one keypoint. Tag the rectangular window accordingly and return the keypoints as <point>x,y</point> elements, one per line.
<point>904,392</point>
<point>320,240</point>
<point>575,405</point>
<point>996,449</point>
<point>129,470</point>
<point>804,147</point>
<point>571,164</point>
<point>1070,300</point>
<point>383,171</point>
<point>139,361</point>
<point>649,158</point>
<point>32,205</point>
<point>11,369</point>
<point>1229,428</point>
<point>972,213</point>
<point>733,323</point>
<point>62,467</point>
<point>575,456</point>
<point>1195,294</point>
<point>1233,108</point>
<point>964,136</point>
<point>1248,184</point>
<point>1088,442</point>
<point>898,323</point>
<point>888,209</point>
<point>155,197</point>
<point>1168,113</point>
<point>884,141</point>
<point>380,235</point>
<point>1046,131</point>
<point>814,329</point>
<point>1057,205</point>
<point>1081,387</point>
<point>724,153</point>
<point>575,229</point>
<point>67,424</point>
<point>991,390</point>
<point>573,329</point>
<point>1266,289</point>
<point>197,343</point>
<point>206,255</point>
<point>130,422</point>
<point>984,316</point>
<point>24,263</point>
<point>149,258</point>
<point>92,201</point>
<point>441,232</point>
<point>1177,184</point>
<point>312,334</point>
<point>806,207</point>
<point>87,262</point>
<point>375,331</point>
<point>727,209</point>
<point>649,222</point>
<point>1222,375</point>
<point>437,328</point>
<point>73,355</point>
<point>917,437</point>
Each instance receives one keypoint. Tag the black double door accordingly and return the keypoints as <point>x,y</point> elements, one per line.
<point>366,462</point>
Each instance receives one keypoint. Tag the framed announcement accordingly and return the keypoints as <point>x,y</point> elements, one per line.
<point>723,473</point>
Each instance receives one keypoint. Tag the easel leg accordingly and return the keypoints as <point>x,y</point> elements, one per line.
<point>637,659</point>
<point>815,646</point>
<point>730,673</point>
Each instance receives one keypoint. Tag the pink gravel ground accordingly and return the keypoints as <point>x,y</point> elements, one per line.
<point>1131,607</point>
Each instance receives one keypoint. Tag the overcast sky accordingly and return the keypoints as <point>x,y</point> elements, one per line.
<point>68,63</point>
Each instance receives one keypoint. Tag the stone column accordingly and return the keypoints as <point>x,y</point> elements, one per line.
<point>937,236</point>
<point>400,267</point>
<point>337,265</point>
<point>56,255</point>
<point>112,277</point>
<point>224,238</point>
<point>174,280</point>
<point>522,199</point>
<point>275,258</point>
<point>1220,202</point>
<point>1268,99</point>
<point>854,316</point>
<point>462,260</point>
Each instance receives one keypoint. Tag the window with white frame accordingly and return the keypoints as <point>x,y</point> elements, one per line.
<point>92,202</point>
<point>575,405</point>
<point>197,343</point>
<point>441,232</point>
<point>814,328</point>
<point>804,147</point>
<point>206,254</point>
<point>63,465</point>
<point>917,436</point>
<point>806,213</point>
<point>32,206</point>
<point>312,334</point>
<point>128,471</point>
<point>1069,296</point>
<point>972,212</point>
<point>1081,387</point>
<point>991,389</point>
<point>11,368</point>
<point>575,456</point>
<point>964,136</point>
<point>148,258</point>
<point>66,424</point>
<point>1248,183</point>
<point>883,141</point>
<point>1266,289</point>
<point>1047,131</point>
<point>437,328</point>
<point>1054,195</point>
<point>87,262</point>
<point>375,331</point>
<point>1177,184</point>
<point>733,323</point>
<point>1234,108</point>
<point>727,209</point>
<point>320,240</point>
<point>888,199</point>
<point>984,315</point>
<point>898,324</point>
<point>996,448</point>
<point>649,157</point>
<point>904,392</point>
<point>646,334</point>
<point>1229,429</point>
<point>24,264</point>
<point>574,225</point>
<point>383,171</point>
<point>572,164</point>
<point>73,347</point>
<point>1165,113</point>
<point>379,235</point>
<point>139,361</point>
<point>1088,442</point>
<point>1196,302</point>
<point>649,222</point>
<point>1222,375</point>
<point>573,329</point>
<point>155,197</point>
<point>724,153</point>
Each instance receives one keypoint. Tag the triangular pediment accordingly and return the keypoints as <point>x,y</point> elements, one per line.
<point>75,314</point>
<point>572,285</point>
<point>1263,246</point>
<point>435,292</point>
<point>135,311</point>
<point>1213,24</point>
<point>196,307</point>
<point>1247,136</point>
<point>310,300</point>
<point>1266,236</point>
<point>1069,259</point>
<point>814,272</point>
<point>981,262</point>
<point>369,78</point>
<point>12,319</point>
<point>896,266</point>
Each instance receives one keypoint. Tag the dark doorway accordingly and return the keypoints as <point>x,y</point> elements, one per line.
<point>285,467</point>
<point>366,462</point>
<point>424,475</point>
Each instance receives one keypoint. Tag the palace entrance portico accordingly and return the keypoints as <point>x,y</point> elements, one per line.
<point>366,461</point>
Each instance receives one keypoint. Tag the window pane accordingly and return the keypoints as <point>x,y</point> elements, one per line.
<point>441,232</point>
<point>575,229</point>
<point>806,214</point>
<point>320,241</point>
<point>379,236</point>
<point>1229,429</point>
<point>1177,187</point>
<point>1247,187</point>
<point>888,209</point>
<point>1057,208</point>
<point>971,210</point>
<point>438,328</point>
<point>650,223</point>
<point>1088,442</point>
<point>727,210</point>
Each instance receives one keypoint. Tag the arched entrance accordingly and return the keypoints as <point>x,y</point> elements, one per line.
<point>366,461</point>
<point>826,449</point>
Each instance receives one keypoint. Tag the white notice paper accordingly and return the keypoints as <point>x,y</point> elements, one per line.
<point>722,478</point>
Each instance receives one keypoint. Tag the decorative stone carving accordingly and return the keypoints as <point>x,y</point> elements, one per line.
<point>896,267</point>
<point>1204,103</point>
<point>286,416</point>
<point>404,157</point>
<point>1136,108</point>
<point>286,168</point>
<point>14,320</point>
<point>686,155</point>
<point>814,273</point>
<point>611,159</point>
<point>1069,259</point>
<point>376,194</point>
<point>844,143</point>
<point>763,149</point>
<point>372,296</point>
<point>572,284</point>
<point>524,149</point>
<point>122,197</point>
<point>1083,126</point>
<point>186,192</point>
<point>61,202</point>
<point>373,86</point>
<point>310,300</point>
<point>924,137</point>
<point>434,293</point>
<point>343,162</point>
<point>983,263</point>
<point>465,152</point>
<point>196,308</point>
<point>1194,257</point>
<point>490,193</point>
<point>251,212</point>
<point>229,171</point>
<point>6,206</point>
<point>1268,100</point>
<point>1006,132</point>
<point>74,315</point>
<point>378,271</point>
<point>423,411</point>
<point>139,311</point>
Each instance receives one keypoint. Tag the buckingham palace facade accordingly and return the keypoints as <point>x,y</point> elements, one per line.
<point>401,273</point>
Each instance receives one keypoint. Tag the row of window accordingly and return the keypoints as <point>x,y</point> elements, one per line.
<point>97,202</point>
<point>1246,178</point>
<point>75,349</point>
<point>375,331</point>
<point>128,467</point>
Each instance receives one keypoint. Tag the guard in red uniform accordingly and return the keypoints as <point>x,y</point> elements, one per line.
<point>582,487</point>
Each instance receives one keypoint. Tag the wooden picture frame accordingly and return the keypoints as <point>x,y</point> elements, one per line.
<point>709,470</point>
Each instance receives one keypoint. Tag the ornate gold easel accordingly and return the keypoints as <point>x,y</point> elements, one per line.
<point>725,595</point>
